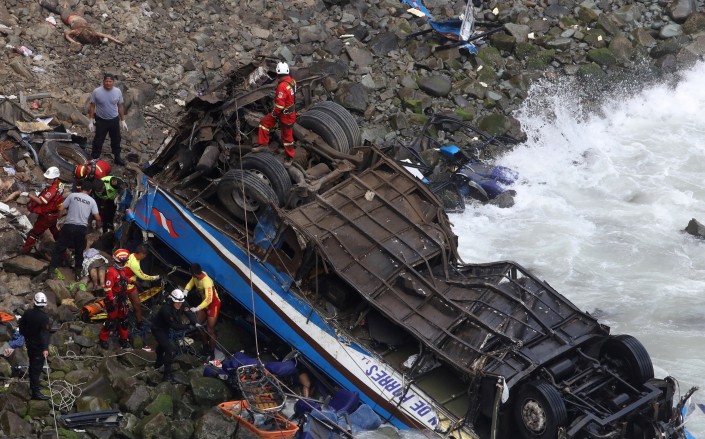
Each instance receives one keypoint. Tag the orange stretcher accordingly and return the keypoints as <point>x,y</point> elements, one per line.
<point>275,426</point>
<point>96,311</point>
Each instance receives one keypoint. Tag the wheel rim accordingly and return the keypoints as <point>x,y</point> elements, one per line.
<point>534,416</point>
<point>70,155</point>
<point>246,203</point>
<point>259,174</point>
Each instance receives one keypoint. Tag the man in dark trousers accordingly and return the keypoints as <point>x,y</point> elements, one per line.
<point>79,206</point>
<point>169,317</point>
<point>107,189</point>
<point>34,326</point>
<point>106,112</point>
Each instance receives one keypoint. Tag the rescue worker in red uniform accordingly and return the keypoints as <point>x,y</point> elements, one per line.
<point>94,169</point>
<point>117,288</point>
<point>284,113</point>
<point>48,205</point>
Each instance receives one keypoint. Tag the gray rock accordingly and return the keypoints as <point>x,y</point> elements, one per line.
<point>630,14</point>
<point>214,424</point>
<point>25,264</point>
<point>695,228</point>
<point>680,10</point>
<point>59,289</point>
<point>361,57</point>
<point>556,11</point>
<point>210,391</point>
<point>383,43</point>
<point>338,69</point>
<point>136,401</point>
<point>670,30</point>
<point>66,313</point>
<point>436,85</point>
<point>519,31</point>
<point>504,200</point>
<point>14,426</point>
<point>91,404</point>
<point>621,47</point>
<point>353,96</point>
<point>559,43</point>
<point>156,426</point>
<point>309,34</point>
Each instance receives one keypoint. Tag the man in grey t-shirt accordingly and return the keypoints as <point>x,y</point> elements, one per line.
<point>79,207</point>
<point>107,114</point>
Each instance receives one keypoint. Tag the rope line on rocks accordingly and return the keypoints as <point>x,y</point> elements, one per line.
<point>51,398</point>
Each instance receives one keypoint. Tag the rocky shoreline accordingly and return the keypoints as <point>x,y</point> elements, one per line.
<point>174,49</point>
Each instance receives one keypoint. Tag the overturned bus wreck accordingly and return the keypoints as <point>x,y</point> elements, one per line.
<point>352,261</point>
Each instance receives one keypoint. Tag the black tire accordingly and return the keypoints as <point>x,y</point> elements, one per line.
<point>629,357</point>
<point>257,195</point>
<point>344,118</point>
<point>271,171</point>
<point>327,127</point>
<point>65,156</point>
<point>539,411</point>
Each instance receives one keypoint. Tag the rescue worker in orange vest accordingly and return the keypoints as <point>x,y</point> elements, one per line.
<point>117,288</point>
<point>93,169</point>
<point>208,309</point>
<point>135,272</point>
<point>284,113</point>
<point>48,205</point>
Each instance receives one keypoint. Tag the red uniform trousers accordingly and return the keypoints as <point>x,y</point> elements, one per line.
<point>117,319</point>
<point>286,128</point>
<point>44,222</point>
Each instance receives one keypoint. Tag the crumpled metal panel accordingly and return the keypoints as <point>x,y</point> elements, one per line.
<point>381,231</point>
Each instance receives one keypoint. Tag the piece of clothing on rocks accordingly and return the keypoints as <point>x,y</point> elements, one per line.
<point>92,258</point>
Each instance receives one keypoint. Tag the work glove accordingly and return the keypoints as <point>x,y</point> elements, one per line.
<point>91,125</point>
<point>109,306</point>
<point>123,124</point>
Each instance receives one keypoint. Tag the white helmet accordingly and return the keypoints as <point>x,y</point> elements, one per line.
<point>52,172</point>
<point>177,296</point>
<point>40,299</point>
<point>282,68</point>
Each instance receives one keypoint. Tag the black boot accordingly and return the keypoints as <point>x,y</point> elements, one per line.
<point>169,377</point>
<point>39,396</point>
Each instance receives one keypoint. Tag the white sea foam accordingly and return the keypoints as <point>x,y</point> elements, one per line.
<point>601,210</point>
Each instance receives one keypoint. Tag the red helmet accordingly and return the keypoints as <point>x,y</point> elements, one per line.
<point>121,255</point>
<point>81,172</point>
<point>95,168</point>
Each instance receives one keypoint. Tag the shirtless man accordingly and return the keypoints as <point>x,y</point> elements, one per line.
<point>80,29</point>
<point>83,32</point>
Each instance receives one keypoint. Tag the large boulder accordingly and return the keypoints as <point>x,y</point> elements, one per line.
<point>214,424</point>
<point>210,391</point>
<point>25,264</point>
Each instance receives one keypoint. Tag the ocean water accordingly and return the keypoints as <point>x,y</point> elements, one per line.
<point>600,211</point>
